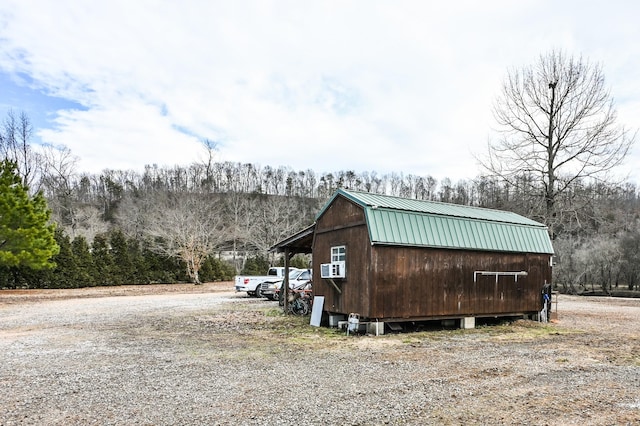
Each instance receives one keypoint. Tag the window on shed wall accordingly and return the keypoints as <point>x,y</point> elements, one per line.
<point>338,253</point>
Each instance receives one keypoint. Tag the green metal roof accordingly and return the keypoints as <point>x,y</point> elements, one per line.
<point>400,221</point>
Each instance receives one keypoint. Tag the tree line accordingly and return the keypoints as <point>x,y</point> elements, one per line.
<point>211,219</point>
<point>123,227</point>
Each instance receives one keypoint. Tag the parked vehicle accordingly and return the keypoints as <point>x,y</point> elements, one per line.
<point>251,283</point>
<point>299,277</point>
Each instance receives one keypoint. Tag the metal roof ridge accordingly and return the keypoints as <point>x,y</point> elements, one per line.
<point>353,195</point>
<point>423,201</point>
<point>475,219</point>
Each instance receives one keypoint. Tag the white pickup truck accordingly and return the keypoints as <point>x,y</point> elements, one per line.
<point>251,283</point>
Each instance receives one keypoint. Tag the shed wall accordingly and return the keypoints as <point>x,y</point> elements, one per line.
<point>343,223</point>
<point>429,283</point>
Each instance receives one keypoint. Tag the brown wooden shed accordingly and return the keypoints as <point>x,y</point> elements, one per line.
<point>392,259</point>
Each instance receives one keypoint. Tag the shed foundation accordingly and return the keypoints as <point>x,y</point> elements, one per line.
<point>468,322</point>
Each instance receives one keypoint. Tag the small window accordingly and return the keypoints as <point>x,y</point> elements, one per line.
<point>338,253</point>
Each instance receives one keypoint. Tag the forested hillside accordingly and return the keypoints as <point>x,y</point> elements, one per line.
<point>210,220</point>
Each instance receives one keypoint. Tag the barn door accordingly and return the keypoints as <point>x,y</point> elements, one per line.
<point>502,293</point>
<point>492,294</point>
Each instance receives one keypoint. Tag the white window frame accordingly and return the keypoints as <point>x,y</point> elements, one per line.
<point>338,253</point>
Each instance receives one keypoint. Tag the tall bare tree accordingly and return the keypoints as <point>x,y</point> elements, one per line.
<point>57,182</point>
<point>15,145</point>
<point>557,123</point>
<point>211,149</point>
<point>188,227</point>
<point>237,208</point>
<point>274,218</point>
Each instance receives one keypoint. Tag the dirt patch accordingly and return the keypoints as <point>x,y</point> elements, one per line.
<point>185,354</point>
<point>35,295</point>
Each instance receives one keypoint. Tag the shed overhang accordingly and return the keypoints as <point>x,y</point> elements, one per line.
<point>300,242</point>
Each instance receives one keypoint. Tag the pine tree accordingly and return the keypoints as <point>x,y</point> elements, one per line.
<point>65,272</point>
<point>123,271</point>
<point>140,269</point>
<point>102,261</point>
<point>26,237</point>
<point>83,260</point>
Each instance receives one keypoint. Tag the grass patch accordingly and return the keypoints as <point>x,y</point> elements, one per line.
<point>523,330</point>
<point>520,330</point>
<point>274,312</point>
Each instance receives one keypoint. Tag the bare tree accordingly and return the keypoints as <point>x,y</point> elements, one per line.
<point>237,207</point>
<point>211,149</point>
<point>558,124</point>
<point>58,179</point>
<point>272,219</point>
<point>187,227</point>
<point>15,145</point>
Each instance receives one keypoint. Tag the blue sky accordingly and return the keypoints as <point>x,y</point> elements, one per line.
<point>382,86</point>
<point>19,94</point>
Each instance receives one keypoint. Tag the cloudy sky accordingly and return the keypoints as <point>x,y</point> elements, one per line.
<point>404,86</point>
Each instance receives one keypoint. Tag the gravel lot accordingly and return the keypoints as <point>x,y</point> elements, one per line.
<point>191,355</point>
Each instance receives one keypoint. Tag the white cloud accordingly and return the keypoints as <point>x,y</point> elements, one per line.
<point>364,85</point>
<point>141,136</point>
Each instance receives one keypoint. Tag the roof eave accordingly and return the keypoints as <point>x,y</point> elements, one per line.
<point>392,244</point>
<point>293,242</point>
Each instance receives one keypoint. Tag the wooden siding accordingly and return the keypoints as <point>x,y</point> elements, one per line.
<point>341,212</point>
<point>438,283</point>
<point>415,283</point>
<point>343,224</point>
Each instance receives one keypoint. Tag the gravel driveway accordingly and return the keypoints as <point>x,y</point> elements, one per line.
<point>187,355</point>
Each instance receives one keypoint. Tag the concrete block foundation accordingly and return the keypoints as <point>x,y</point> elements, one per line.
<point>468,322</point>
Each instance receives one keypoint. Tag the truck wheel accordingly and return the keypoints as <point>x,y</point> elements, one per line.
<point>258,292</point>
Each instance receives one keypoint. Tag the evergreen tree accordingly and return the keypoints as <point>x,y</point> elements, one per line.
<point>83,260</point>
<point>256,265</point>
<point>102,261</point>
<point>139,269</point>
<point>216,270</point>
<point>65,273</point>
<point>26,236</point>
<point>123,271</point>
